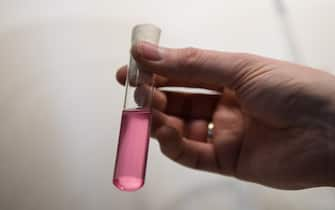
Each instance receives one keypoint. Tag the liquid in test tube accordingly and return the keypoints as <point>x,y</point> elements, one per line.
<point>132,152</point>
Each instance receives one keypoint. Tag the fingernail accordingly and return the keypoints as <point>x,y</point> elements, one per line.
<point>148,51</point>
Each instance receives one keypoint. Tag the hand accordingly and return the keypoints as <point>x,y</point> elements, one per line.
<point>273,121</point>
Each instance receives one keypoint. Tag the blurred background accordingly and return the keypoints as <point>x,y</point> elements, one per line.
<point>60,105</point>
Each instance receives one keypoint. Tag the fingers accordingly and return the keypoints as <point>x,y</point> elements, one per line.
<point>228,132</point>
<point>202,67</point>
<point>227,151</point>
<point>143,77</point>
<point>197,155</point>
<point>191,106</point>
<point>186,143</point>
<point>160,119</point>
<point>146,95</point>
<point>219,156</point>
<point>197,130</point>
<point>161,81</point>
<point>121,75</point>
<point>184,105</point>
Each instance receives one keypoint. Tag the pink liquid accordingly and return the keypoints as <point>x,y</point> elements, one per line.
<point>130,166</point>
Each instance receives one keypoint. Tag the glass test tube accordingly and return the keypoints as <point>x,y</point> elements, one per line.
<point>131,159</point>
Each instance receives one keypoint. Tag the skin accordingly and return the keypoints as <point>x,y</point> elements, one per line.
<point>273,120</point>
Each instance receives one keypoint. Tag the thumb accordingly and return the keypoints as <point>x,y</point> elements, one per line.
<point>197,66</point>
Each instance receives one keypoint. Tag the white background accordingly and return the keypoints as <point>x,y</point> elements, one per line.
<point>60,104</point>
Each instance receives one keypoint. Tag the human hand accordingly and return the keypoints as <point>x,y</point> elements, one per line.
<point>273,121</point>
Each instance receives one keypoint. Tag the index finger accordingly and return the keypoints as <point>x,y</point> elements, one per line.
<point>202,67</point>
<point>161,81</point>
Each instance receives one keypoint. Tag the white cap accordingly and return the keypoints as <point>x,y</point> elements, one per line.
<point>143,32</point>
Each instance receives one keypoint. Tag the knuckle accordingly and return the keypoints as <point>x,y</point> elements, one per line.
<point>189,57</point>
<point>248,67</point>
<point>243,60</point>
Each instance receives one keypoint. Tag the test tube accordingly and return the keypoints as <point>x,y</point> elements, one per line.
<point>132,152</point>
